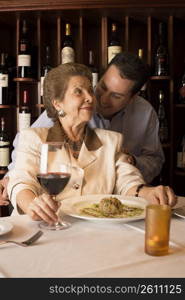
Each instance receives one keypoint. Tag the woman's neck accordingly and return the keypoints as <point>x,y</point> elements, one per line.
<point>74,132</point>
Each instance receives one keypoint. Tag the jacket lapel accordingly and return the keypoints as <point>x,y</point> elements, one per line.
<point>55,133</point>
<point>88,151</point>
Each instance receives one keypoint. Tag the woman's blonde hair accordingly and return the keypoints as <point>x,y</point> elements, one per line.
<point>56,82</point>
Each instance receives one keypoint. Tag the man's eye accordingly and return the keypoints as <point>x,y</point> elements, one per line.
<point>117,97</point>
<point>102,87</point>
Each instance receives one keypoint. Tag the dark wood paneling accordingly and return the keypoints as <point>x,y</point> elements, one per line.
<point>70,4</point>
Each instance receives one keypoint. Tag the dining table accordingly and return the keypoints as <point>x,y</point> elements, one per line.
<point>90,249</point>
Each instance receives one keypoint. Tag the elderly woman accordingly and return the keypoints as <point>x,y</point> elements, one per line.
<point>102,167</point>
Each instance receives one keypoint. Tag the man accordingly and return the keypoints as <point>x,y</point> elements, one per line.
<point>119,108</point>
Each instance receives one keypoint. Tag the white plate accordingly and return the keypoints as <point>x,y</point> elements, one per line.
<point>180,212</point>
<point>73,206</point>
<point>5,227</point>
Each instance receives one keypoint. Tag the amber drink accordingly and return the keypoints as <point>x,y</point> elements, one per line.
<point>157,228</point>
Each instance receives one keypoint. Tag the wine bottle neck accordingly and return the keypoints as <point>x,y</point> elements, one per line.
<point>24,27</point>
<point>2,129</point>
<point>91,58</point>
<point>2,59</point>
<point>140,53</point>
<point>68,29</point>
<point>25,97</point>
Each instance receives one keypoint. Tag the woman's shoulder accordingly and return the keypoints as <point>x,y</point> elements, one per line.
<point>108,134</point>
<point>34,134</point>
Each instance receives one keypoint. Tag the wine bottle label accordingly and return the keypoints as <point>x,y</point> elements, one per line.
<point>41,85</point>
<point>67,55</point>
<point>112,51</point>
<point>94,79</point>
<point>24,60</point>
<point>161,66</point>
<point>4,154</point>
<point>3,80</point>
<point>24,121</point>
<point>23,47</point>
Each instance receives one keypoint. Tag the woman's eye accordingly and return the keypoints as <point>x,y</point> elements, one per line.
<point>77,91</point>
<point>91,91</point>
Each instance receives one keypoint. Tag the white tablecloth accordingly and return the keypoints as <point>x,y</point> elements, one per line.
<point>90,249</point>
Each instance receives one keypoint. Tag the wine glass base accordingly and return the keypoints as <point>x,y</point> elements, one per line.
<point>58,226</point>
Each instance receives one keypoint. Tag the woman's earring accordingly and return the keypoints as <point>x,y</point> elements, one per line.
<point>61,113</point>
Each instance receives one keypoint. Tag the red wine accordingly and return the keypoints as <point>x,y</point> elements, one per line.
<point>52,182</point>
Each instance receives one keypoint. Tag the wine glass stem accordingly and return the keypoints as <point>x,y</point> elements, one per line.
<point>58,223</point>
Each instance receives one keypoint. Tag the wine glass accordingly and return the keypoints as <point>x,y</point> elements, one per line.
<point>54,175</point>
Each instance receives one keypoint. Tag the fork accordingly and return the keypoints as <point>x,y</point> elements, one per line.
<point>26,243</point>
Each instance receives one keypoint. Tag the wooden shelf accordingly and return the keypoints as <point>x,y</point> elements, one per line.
<point>7,106</point>
<point>27,80</point>
<point>180,105</point>
<point>166,145</point>
<point>160,78</point>
<point>180,173</point>
<point>2,172</point>
<point>40,105</point>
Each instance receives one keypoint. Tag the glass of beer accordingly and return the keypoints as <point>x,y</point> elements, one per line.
<point>157,229</point>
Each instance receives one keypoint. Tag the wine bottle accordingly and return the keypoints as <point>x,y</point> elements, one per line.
<point>163,125</point>
<point>67,53</point>
<point>143,90</point>
<point>93,69</point>
<point>181,154</point>
<point>24,113</point>
<point>45,69</point>
<point>4,147</point>
<point>182,90</point>
<point>3,81</point>
<point>161,56</point>
<point>114,46</point>
<point>24,56</point>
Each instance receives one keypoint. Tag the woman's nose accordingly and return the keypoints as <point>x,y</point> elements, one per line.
<point>89,98</point>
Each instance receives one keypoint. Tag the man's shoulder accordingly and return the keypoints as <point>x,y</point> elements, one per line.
<point>140,106</point>
<point>142,103</point>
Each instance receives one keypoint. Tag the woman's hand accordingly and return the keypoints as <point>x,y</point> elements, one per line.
<point>159,195</point>
<point>3,191</point>
<point>43,208</point>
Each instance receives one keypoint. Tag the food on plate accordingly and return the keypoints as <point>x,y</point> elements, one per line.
<point>111,208</point>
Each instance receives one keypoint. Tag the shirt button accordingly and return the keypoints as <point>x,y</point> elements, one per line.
<point>76,186</point>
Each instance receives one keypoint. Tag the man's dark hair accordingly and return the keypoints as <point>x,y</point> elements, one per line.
<point>133,68</point>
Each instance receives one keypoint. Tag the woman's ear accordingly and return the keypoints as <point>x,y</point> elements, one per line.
<point>56,104</point>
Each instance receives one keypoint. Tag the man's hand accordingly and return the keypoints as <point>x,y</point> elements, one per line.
<point>3,191</point>
<point>159,195</point>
